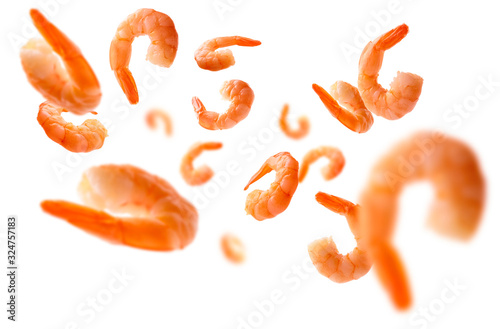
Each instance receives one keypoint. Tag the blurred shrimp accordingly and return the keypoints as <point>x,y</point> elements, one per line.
<point>73,86</point>
<point>155,115</point>
<point>241,96</point>
<point>233,248</point>
<point>202,174</point>
<point>301,132</point>
<point>405,88</point>
<point>209,58</point>
<point>156,216</point>
<point>267,204</point>
<point>324,253</point>
<point>164,40</point>
<point>355,117</point>
<point>331,170</point>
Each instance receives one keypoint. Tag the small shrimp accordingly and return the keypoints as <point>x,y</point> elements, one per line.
<point>455,174</point>
<point>355,117</point>
<point>73,86</point>
<point>233,248</point>
<point>208,58</point>
<point>160,219</point>
<point>330,171</point>
<point>303,129</point>
<point>267,204</point>
<point>324,253</point>
<point>154,115</point>
<point>202,174</point>
<point>405,88</point>
<point>241,96</point>
<point>86,137</point>
<point>164,40</point>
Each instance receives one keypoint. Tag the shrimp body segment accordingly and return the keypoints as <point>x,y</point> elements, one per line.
<point>330,171</point>
<point>202,174</point>
<point>209,58</point>
<point>73,86</point>
<point>405,88</point>
<point>162,51</point>
<point>159,218</point>
<point>324,253</point>
<point>233,248</point>
<point>155,115</point>
<point>267,204</point>
<point>241,96</point>
<point>301,132</point>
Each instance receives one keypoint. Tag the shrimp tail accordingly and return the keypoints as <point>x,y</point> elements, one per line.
<point>333,203</point>
<point>331,104</point>
<point>264,170</point>
<point>393,37</point>
<point>127,83</point>
<point>206,119</point>
<point>247,42</point>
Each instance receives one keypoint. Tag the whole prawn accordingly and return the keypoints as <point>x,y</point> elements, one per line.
<point>154,115</point>
<point>202,174</point>
<point>300,132</point>
<point>330,171</point>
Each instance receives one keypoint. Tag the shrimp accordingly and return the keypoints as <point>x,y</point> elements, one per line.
<point>87,137</point>
<point>202,174</point>
<point>233,248</point>
<point>355,117</point>
<point>154,115</point>
<point>301,132</point>
<point>324,253</point>
<point>73,86</point>
<point>330,171</point>
<point>208,58</point>
<point>267,204</point>
<point>241,96</point>
<point>405,88</point>
<point>158,218</point>
<point>164,40</point>
<point>454,171</point>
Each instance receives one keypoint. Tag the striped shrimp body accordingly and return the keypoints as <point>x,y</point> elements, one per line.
<point>330,171</point>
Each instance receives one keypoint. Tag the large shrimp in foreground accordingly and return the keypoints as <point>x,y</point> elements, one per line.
<point>159,218</point>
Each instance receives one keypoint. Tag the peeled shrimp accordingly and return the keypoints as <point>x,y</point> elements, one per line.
<point>241,96</point>
<point>330,171</point>
<point>324,253</point>
<point>202,174</point>
<point>301,132</point>
<point>233,248</point>
<point>155,115</point>
<point>355,117</point>
<point>162,50</point>
<point>405,88</point>
<point>267,204</point>
<point>159,218</point>
<point>208,58</point>
<point>73,86</point>
<point>455,174</point>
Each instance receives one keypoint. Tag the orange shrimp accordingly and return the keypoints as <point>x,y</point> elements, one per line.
<point>154,115</point>
<point>303,129</point>
<point>202,174</point>
<point>233,248</point>
<point>330,171</point>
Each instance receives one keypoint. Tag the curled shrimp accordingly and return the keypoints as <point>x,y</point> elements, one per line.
<point>241,96</point>
<point>209,58</point>
<point>324,253</point>
<point>267,204</point>
<point>155,115</point>
<point>303,129</point>
<point>355,117</point>
<point>74,86</point>
<point>405,88</point>
<point>454,171</point>
<point>160,219</point>
<point>331,170</point>
<point>202,174</point>
<point>164,40</point>
<point>233,248</point>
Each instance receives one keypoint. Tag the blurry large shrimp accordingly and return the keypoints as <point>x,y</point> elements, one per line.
<point>164,40</point>
<point>405,88</point>
<point>209,58</point>
<point>241,96</point>
<point>73,86</point>
<point>330,171</point>
<point>452,168</point>
<point>302,130</point>
<point>202,174</point>
<point>267,204</point>
<point>155,115</point>
<point>324,253</point>
<point>233,248</point>
<point>157,217</point>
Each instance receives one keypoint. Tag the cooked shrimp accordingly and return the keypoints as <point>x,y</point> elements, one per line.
<point>301,132</point>
<point>324,253</point>
<point>405,88</point>
<point>73,86</point>
<point>267,204</point>
<point>208,58</point>
<point>202,174</point>
<point>233,248</point>
<point>355,117</point>
<point>331,170</point>
<point>455,174</point>
<point>241,96</point>
<point>154,115</point>
<point>159,218</point>
<point>164,40</point>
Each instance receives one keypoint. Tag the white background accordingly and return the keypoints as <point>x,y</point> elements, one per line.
<point>451,44</point>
